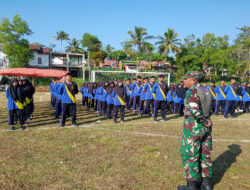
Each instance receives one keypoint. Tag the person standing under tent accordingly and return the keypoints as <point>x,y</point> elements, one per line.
<point>160,89</point>
<point>29,91</point>
<point>119,95</point>
<point>15,104</point>
<point>150,96</point>
<point>68,90</point>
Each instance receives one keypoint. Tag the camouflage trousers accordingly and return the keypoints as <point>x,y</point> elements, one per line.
<point>195,150</point>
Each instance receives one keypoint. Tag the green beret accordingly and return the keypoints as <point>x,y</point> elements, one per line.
<point>193,74</point>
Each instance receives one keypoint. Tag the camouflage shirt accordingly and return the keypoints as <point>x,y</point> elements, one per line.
<point>197,102</point>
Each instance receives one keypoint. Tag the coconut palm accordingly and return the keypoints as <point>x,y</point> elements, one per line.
<point>139,38</point>
<point>61,35</point>
<point>127,48</point>
<point>73,46</point>
<point>168,43</point>
<point>108,49</point>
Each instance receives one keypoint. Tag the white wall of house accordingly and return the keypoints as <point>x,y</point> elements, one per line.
<point>39,60</point>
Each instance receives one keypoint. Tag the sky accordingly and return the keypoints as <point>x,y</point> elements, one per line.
<point>111,19</point>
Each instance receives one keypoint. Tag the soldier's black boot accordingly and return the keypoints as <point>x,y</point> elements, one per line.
<point>205,185</point>
<point>191,185</point>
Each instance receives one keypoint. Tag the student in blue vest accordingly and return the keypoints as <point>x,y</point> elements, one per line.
<point>102,97</point>
<point>246,98</point>
<point>68,90</point>
<point>180,93</point>
<point>83,91</point>
<point>141,110</point>
<point>220,98</point>
<point>149,97</point>
<point>126,86</point>
<point>239,99</point>
<point>170,98</point>
<point>211,88</point>
<point>136,91</point>
<point>96,97</point>
<point>131,100</point>
<point>15,104</point>
<point>119,95</point>
<point>51,88</point>
<point>109,99</point>
<point>160,89</point>
<point>231,96</point>
<point>58,97</point>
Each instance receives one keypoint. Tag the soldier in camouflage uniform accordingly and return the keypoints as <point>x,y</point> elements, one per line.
<point>196,143</point>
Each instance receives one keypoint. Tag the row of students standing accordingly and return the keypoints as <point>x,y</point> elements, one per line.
<point>142,97</point>
<point>229,98</point>
<point>20,102</point>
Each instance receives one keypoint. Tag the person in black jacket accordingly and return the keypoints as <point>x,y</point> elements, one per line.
<point>29,91</point>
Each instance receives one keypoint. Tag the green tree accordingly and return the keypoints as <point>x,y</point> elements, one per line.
<point>91,42</point>
<point>61,35</point>
<point>139,38</point>
<point>14,45</point>
<point>108,49</point>
<point>118,55</point>
<point>73,46</point>
<point>168,43</point>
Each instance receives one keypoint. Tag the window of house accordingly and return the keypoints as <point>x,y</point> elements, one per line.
<point>39,60</point>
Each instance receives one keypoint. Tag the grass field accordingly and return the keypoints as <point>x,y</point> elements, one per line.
<point>99,155</point>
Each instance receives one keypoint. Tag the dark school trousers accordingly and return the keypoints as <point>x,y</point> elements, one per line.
<point>230,107</point>
<point>71,109</point>
<point>149,106</point>
<point>127,104</point>
<point>246,105</point>
<point>162,105</point>
<point>116,110</point>
<point>19,114</point>
<point>136,102</point>
<point>141,107</point>
<point>109,110</point>
<point>219,106</point>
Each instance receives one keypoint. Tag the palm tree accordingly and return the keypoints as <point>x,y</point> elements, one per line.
<point>127,48</point>
<point>139,38</point>
<point>168,43</point>
<point>108,50</point>
<point>73,46</point>
<point>61,35</point>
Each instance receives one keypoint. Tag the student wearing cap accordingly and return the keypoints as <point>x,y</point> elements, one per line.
<point>231,96</point>
<point>220,98</point>
<point>160,89</point>
<point>211,88</point>
<point>68,90</point>
<point>142,97</point>
<point>150,96</point>
<point>136,91</point>
<point>119,95</point>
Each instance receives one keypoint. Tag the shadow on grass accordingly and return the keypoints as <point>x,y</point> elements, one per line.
<point>224,161</point>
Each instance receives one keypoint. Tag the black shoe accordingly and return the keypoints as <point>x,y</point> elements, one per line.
<point>123,121</point>
<point>115,121</point>
<point>155,120</point>
<point>62,125</point>
<point>226,117</point>
<point>22,128</point>
<point>205,185</point>
<point>12,128</point>
<point>75,125</point>
<point>56,117</point>
<point>192,185</point>
<point>163,119</point>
